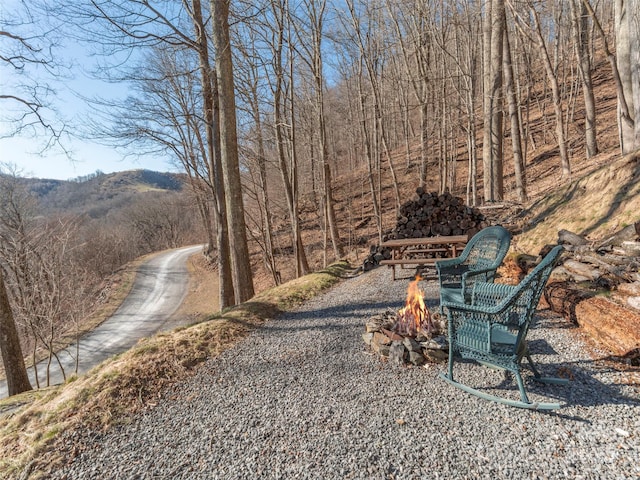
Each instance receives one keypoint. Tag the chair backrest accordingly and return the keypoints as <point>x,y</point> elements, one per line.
<point>487,248</point>
<point>523,301</point>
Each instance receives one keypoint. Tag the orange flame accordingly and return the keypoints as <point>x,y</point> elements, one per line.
<point>414,316</point>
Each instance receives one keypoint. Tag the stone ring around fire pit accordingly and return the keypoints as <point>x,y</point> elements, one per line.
<point>412,335</point>
<point>403,349</point>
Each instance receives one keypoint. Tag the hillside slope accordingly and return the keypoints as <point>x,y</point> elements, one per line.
<point>595,206</point>
<point>101,192</point>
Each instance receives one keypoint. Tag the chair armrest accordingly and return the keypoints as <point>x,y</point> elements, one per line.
<point>487,298</point>
<point>466,277</point>
<point>447,264</point>
<point>497,295</point>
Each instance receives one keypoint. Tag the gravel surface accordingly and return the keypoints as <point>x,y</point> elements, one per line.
<point>303,398</point>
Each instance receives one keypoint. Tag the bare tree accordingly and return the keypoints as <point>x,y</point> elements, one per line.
<point>627,28</point>
<point>368,52</point>
<point>537,35</point>
<point>24,44</point>
<point>28,47</point>
<point>581,37</point>
<point>249,76</point>
<point>213,151</point>
<point>315,11</point>
<point>493,27</point>
<point>514,117</point>
<point>280,81</point>
<point>12,359</point>
<point>240,261</point>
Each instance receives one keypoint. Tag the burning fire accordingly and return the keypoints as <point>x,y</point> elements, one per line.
<point>414,316</point>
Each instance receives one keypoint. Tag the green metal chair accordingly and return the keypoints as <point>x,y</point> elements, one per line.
<point>492,330</point>
<point>478,262</point>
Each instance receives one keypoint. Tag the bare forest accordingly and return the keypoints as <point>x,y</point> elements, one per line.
<point>302,126</point>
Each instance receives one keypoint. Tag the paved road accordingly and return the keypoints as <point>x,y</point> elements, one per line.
<point>158,291</point>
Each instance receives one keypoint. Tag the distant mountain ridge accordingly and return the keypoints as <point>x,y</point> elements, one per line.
<point>99,193</point>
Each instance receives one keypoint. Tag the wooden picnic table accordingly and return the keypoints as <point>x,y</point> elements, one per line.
<point>422,251</point>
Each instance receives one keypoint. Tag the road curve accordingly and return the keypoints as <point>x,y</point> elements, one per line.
<point>159,289</point>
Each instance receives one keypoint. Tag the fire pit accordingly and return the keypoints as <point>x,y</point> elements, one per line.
<point>412,335</point>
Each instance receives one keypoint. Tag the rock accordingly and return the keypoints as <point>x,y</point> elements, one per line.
<point>411,345</point>
<point>436,343</point>
<point>381,339</point>
<point>416,358</point>
<point>371,327</point>
<point>392,335</point>
<point>421,337</point>
<point>380,344</point>
<point>367,337</point>
<point>375,323</point>
<point>397,353</point>
<point>442,341</point>
<point>382,350</point>
<point>436,356</point>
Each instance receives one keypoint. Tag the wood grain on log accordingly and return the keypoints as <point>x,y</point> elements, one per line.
<point>582,269</point>
<point>615,327</point>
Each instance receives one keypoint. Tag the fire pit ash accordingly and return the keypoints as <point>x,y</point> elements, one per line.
<point>412,334</point>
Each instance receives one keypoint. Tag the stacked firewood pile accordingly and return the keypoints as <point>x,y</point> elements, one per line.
<point>590,267</point>
<point>429,214</point>
<point>610,263</point>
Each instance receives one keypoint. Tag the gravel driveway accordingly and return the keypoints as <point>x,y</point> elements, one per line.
<point>302,398</point>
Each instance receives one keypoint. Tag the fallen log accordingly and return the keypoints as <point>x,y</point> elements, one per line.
<point>631,249</point>
<point>631,289</point>
<point>621,268</point>
<point>615,327</point>
<point>565,237</point>
<point>627,234</point>
<point>582,269</point>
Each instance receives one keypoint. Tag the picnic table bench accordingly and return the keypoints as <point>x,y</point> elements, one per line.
<point>422,251</point>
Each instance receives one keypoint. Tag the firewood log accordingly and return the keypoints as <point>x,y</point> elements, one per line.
<point>628,233</point>
<point>582,269</point>
<point>567,237</point>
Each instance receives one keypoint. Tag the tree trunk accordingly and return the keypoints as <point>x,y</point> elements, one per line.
<point>265,204</point>
<point>627,24</point>
<point>316,17</point>
<point>12,359</point>
<point>565,162</point>
<point>581,40</point>
<point>625,119</point>
<point>239,252</point>
<point>492,63</point>
<point>364,131</point>
<point>212,127</point>
<point>516,140</point>
<point>287,173</point>
<point>302,264</point>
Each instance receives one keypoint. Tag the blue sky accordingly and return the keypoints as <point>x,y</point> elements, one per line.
<point>87,158</point>
<point>25,151</point>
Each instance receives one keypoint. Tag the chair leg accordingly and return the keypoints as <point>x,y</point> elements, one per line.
<point>539,378</point>
<point>450,368</point>
<point>523,393</point>
<point>532,365</point>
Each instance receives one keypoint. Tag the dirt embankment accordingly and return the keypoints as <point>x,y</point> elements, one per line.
<point>595,207</point>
